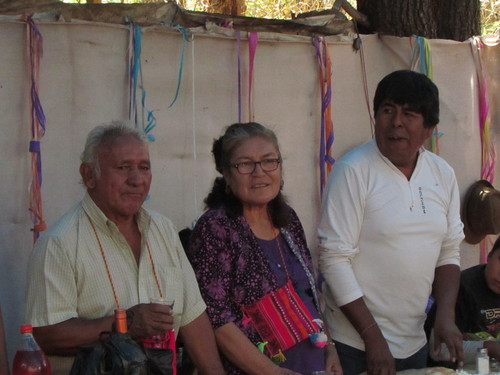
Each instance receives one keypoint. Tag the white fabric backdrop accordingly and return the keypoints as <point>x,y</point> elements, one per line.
<point>84,83</point>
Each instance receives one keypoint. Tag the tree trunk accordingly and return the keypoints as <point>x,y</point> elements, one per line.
<point>228,7</point>
<point>460,19</point>
<point>443,19</point>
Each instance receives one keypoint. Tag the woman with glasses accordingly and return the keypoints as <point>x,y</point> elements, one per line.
<point>253,266</point>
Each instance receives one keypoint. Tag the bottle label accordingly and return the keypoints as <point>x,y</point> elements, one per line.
<point>163,341</point>
<point>483,365</point>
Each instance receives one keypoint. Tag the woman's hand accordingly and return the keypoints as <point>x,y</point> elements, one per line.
<point>332,360</point>
<point>244,354</point>
<point>285,371</point>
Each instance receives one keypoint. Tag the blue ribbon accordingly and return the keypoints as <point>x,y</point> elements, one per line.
<point>135,77</point>
<point>184,33</point>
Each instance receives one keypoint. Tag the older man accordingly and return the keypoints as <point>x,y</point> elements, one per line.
<point>108,251</point>
<point>389,236</point>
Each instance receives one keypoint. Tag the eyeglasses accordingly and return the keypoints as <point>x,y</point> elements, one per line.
<point>248,167</point>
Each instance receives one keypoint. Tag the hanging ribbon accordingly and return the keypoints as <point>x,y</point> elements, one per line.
<point>422,62</point>
<point>253,40</point>
<point>358,46</point>
<point>326,160</point>
<point>422,58</point>
<point>35,52</point>
<point>147,118</point>
<point>238,48</point>
<point>488,153</point>
<point>184,33</point>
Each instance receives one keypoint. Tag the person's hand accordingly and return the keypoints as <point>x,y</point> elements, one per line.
<point>379,359</point>
<point>445,331</point>
<point>149,319</point>
<point>284,371</point>
<point>493,349</point>
<point>274,369</point>
<point>332,360</point>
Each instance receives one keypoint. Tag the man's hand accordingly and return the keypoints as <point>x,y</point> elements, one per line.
<point>149,319</point>
<point>379,359</point>
<point>446,332</point>
<point>493,349</point>
<point>445,289</point>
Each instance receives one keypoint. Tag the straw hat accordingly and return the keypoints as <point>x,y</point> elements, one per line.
<point>481,211</point>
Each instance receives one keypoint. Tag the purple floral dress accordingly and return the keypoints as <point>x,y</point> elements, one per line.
<point>233,269</point>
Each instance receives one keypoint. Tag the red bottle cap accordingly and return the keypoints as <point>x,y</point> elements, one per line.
<point>26,328</point>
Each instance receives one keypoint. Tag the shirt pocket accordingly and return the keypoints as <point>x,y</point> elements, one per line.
<point>172,284</point>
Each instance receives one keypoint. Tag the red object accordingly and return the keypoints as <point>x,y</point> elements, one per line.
<point>164,341</point>
<point>30,359</point>
<point>31,363</point>
<point>281,319</point>
<point>26,328</point>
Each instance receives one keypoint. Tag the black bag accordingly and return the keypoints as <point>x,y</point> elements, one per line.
<point>159,361</point>
<point>114,354</point>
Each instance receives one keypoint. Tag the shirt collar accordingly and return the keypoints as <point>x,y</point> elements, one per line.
<point>143,218</point>
<point>421,151</point>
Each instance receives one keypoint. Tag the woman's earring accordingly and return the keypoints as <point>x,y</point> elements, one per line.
<point>227,189</point>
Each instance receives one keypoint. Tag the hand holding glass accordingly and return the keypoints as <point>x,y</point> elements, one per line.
<point>162,340</point>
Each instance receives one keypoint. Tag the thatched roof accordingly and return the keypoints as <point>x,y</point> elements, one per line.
<point>148,14</point>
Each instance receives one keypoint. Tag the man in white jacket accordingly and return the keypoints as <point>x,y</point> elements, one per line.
<point>389,237</point>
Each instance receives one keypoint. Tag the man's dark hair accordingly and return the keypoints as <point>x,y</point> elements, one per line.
<point>496,246</point>
<point>405,87</point>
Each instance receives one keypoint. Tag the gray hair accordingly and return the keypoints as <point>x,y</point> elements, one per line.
<point>234,135</point>
<point>107,134</point>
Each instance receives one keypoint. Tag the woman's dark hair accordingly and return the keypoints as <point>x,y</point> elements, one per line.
<point>411,88</point>
<point>222,150</point>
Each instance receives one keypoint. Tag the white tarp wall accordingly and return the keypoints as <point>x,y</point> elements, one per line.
<point>84,82</point>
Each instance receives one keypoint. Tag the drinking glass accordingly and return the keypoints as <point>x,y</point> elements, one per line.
<point>165,339</point>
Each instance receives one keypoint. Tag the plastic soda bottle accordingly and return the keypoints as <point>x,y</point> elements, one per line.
<point>29,358</point>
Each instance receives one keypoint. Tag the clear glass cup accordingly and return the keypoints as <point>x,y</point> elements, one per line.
<point>163,301</point>
<point>162,340</point>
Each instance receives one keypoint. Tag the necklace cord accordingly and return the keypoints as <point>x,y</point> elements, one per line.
<point>105,261</point>
<point>107,266</point>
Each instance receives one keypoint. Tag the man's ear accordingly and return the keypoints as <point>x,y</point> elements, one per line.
<point>430,131</point>
<point>88,175</point>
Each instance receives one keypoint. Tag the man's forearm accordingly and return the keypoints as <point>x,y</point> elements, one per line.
<point>64,338</point>
<point>445,290</point>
